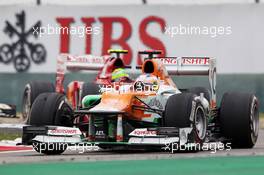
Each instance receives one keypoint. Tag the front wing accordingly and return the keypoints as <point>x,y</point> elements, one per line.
<point>159,137</point>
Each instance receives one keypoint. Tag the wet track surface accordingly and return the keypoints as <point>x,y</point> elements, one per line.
<point>34,157</point>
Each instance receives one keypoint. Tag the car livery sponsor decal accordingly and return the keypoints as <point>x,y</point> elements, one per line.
<point>185,60</point>
<point>64,131</point>
<point>143,132</point>
<point>86,59</point>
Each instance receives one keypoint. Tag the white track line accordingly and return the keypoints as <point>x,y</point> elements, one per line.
<point>13,126</point>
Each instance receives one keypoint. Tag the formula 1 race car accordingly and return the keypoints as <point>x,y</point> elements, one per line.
<point>151,112</point>
<point>76,89</point>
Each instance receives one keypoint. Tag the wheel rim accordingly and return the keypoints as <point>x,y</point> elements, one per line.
<point>200,122</point>
<point>26,104</point>
<point>255,120</point>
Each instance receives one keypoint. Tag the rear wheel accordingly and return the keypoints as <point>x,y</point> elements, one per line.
<point>32,90</point>
<point>239,119</point>
<point>183,110</point>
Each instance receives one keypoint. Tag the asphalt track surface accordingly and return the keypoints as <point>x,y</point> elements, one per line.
<point>30,156</point>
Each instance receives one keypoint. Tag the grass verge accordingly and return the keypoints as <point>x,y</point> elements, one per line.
<point>9,136</point>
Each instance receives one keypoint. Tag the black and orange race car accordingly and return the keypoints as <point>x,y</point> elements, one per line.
<point>152,112</point>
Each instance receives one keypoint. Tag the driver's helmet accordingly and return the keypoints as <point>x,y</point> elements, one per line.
<point>119,74</point>
<point>150,82</point>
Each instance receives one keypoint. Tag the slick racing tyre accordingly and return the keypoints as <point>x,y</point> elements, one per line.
<point>239,119</point>
<point>178,113</point>
<point>89,89</point>
<point>51,109</point>
<point>32,90</point>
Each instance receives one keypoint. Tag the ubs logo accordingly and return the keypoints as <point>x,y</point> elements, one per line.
<point>22,51</point>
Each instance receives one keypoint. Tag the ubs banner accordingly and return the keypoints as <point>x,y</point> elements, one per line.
<point>33,36</point>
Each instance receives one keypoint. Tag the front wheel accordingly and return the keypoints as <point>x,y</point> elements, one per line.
<point>184,110</point>
<point>51,109</point>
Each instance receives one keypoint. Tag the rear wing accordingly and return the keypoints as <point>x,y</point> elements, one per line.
<point>88,62</point>
<point>104,65</point>
<point>67,62</point>
<point>83,62</point>
<point>188,65</point>
<point>203,66</point>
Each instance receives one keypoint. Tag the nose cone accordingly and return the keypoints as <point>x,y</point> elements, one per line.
<point>114,102</point>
